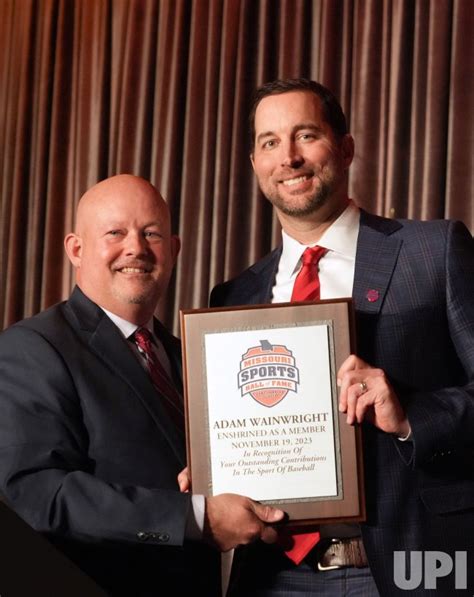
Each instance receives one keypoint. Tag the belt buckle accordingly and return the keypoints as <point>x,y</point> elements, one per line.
<point>322,568</point>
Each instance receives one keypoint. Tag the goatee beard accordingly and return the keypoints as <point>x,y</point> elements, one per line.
<point>312,204</point>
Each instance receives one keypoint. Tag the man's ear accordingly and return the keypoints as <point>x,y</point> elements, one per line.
<point>252,161</point>
<point>347,150</point>
<point>175,247</point>
<point>73,246</point>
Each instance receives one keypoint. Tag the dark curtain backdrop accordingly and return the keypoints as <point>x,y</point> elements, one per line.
<point>161,88</point>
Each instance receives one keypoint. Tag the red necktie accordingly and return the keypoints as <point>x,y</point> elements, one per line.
<point>161,381</point>
<point>306,288</point>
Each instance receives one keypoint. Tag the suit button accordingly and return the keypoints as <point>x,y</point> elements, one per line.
<point>160,537</point>
<point>142,536</point>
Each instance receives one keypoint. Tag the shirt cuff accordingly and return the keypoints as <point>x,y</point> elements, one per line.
<point>195,520</point>
<point>406,438</point>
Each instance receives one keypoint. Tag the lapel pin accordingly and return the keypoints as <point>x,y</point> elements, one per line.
<point>372,295</point>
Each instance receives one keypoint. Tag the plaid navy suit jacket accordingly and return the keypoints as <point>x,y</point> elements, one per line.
<point>420,331</point>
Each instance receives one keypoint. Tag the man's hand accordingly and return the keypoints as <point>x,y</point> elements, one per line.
<point>233,520</point>
<point>184,481</point>
<point>366,394</point>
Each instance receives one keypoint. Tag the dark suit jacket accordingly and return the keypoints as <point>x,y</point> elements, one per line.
<point>88,454</point>
<point>420,494</point>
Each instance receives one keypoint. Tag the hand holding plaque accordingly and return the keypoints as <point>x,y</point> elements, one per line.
<point>232,520</point>
<point>366,394</point>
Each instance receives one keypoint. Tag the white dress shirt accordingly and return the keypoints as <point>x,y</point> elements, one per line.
<point>336,268</point>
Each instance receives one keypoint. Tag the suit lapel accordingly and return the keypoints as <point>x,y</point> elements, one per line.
<point>377,254</point>
<point>106,341</point>
<point>265,271</point>
<point>172,347</point>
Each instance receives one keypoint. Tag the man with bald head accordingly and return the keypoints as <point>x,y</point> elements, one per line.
<point>91,415</point>
<point>123,250</point>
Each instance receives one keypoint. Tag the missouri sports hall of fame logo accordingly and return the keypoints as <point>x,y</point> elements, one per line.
<point>268,372</point>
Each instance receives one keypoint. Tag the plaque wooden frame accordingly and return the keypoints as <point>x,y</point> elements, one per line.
<point>348,502</point>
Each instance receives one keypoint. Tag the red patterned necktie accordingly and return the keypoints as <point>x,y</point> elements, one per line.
<point>171,398</point>
<point>306,288</point>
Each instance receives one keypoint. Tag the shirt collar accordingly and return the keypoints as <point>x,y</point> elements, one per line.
<point>127,327</point>
<point>340,237</point>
